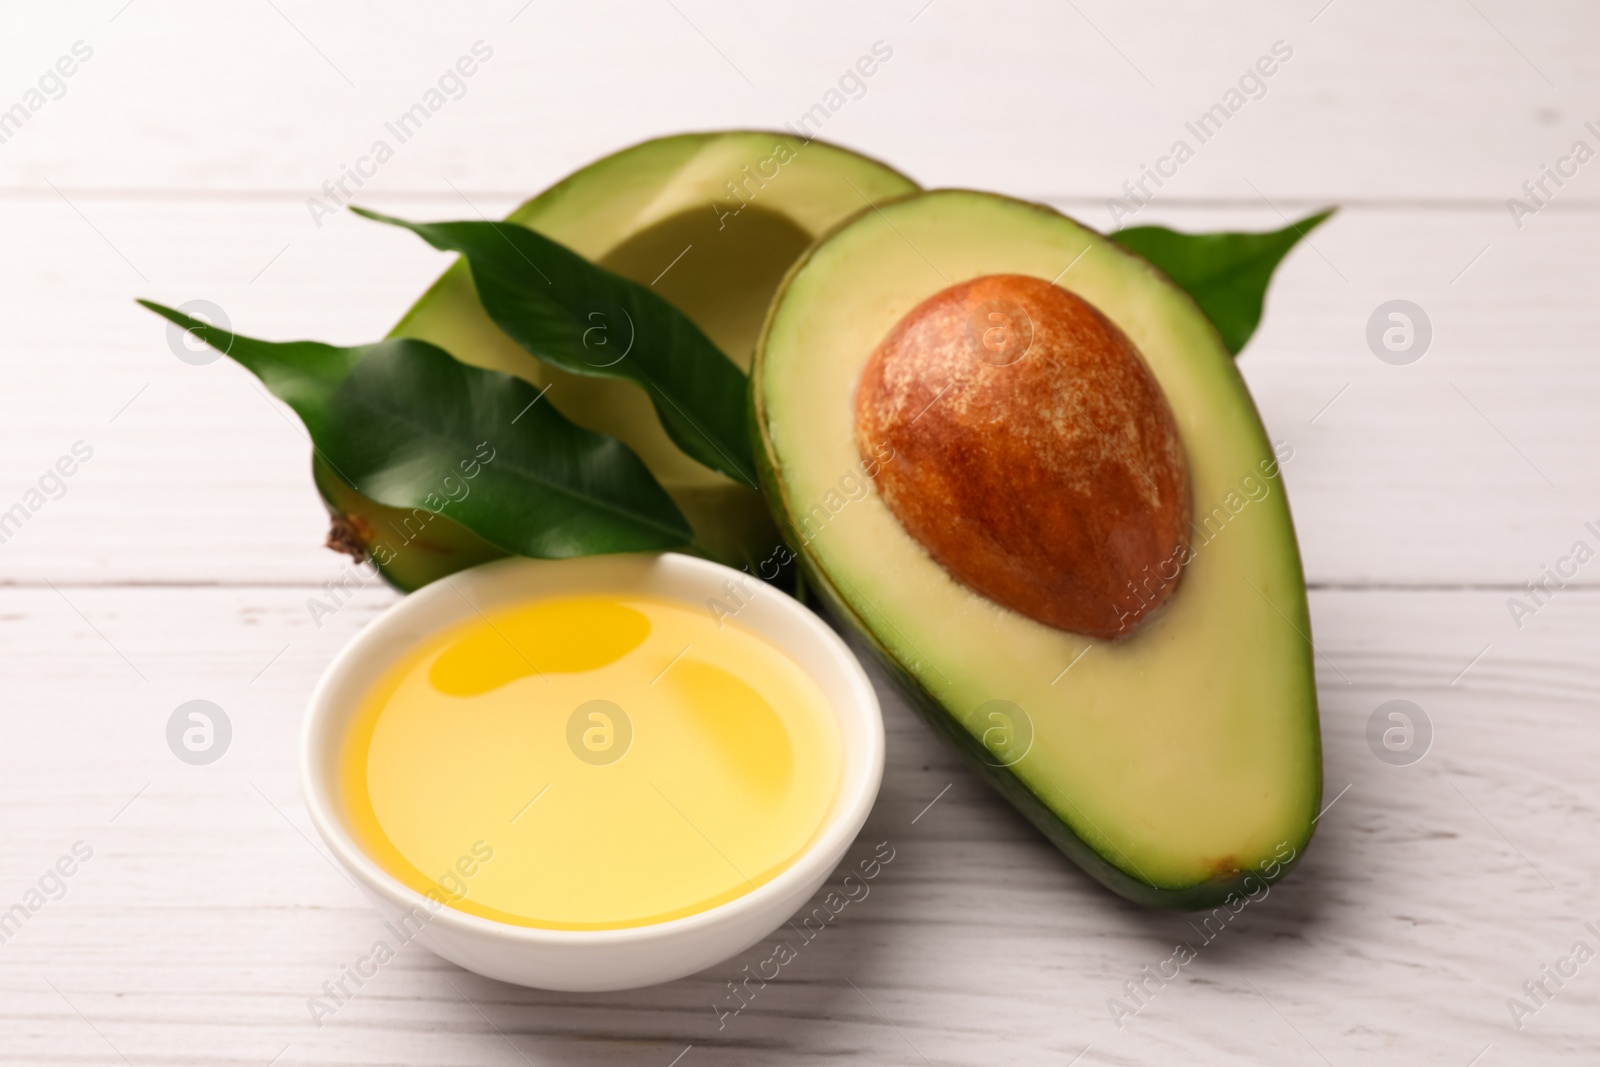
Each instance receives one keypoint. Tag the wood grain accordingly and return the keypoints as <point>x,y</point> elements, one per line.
<point>1037,99</point>
<point>1472,465</point>
<point>178,562</point>
<point>209,913</point>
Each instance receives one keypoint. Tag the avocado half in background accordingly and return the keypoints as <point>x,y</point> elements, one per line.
<point>712,222</point>
<point>935,417</point>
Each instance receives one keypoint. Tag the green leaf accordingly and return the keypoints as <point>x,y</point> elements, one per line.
<point>411,422</point>
<point>1225,273</point>
<point>587,320</point>
<point>408,425</point>
<point>303,374</point>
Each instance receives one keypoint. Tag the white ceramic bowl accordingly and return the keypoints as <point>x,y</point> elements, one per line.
<point>584,960</point>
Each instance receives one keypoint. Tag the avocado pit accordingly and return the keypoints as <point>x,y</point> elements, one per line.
<point>1035,457</point>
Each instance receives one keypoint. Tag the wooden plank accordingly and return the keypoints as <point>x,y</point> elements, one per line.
<point>1048,99</point>
<point>1465,467</point>
<point>208,915</point>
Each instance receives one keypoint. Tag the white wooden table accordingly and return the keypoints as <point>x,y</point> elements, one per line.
<point>177,565</point>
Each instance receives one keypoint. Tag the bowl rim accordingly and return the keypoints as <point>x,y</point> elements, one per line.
<point>858,787</point>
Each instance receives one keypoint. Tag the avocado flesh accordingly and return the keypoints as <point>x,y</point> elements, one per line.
<point>1172,764</point>
<point>634,212</point>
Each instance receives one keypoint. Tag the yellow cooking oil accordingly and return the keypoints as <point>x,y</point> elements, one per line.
<point>590,763</point>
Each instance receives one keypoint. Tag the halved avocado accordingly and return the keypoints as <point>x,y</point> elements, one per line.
<point>1175,762</point>
<point>712,222</point>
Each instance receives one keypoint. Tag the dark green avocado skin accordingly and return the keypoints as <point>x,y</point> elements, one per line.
<point>1222,891</point>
